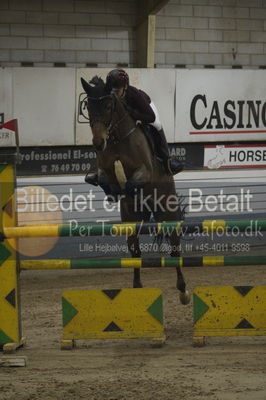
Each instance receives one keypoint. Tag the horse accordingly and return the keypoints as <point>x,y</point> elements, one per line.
<point>127,166</point>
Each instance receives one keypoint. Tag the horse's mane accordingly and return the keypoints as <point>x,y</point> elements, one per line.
<point>97,81</point>
<point>98,87</point>
<point>95,88</point>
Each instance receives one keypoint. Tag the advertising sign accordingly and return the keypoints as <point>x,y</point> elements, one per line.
<point>78,160</point>
<point>235,156</point>
<point>7,137</point>
<point>57,160</point>
<point>220,106</point>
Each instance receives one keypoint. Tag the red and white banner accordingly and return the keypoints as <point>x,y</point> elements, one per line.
<point>10,125</point>
<point>7,138</point>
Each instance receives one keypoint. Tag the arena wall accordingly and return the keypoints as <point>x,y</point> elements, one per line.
<point>189,33</point>
<point>195,106</point>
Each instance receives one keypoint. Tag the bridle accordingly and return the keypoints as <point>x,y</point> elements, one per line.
<point>97,116</point>
<point>110,126</point>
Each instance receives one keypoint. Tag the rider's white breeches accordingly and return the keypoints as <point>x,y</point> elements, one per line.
<point>157,123</point>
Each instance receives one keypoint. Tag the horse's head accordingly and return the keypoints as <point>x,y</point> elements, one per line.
<point>100,107</point>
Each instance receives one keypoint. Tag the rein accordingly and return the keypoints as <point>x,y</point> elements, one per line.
<point>112,127</point>
<point>98,116</point>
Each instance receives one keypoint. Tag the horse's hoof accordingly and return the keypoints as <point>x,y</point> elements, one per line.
<point>137,285</point>
<point>185,297</point>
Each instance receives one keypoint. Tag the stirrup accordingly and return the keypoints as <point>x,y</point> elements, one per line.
<point>174,166</point>
<point>91,178</point>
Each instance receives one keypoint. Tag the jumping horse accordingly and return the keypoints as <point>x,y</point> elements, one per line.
<point>127,166</point>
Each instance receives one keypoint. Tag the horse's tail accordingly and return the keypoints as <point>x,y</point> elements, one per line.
<point>120,174</point>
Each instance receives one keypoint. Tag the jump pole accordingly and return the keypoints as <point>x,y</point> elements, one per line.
<point>158,262</point>
<point>104,229</point>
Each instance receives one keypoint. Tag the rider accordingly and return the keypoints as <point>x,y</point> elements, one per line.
<point>142,109</point>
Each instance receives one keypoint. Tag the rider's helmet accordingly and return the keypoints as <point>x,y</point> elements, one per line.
<point>116,79</point>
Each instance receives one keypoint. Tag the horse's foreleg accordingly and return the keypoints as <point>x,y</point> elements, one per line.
<point>180,284</point>
<point>133,246</point>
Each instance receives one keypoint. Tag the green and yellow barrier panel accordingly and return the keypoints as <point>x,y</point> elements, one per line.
<point>10,320</point>
<point>112,314</point>
<point>228,311</point>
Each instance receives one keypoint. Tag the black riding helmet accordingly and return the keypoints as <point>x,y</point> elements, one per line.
<point>116,79</point>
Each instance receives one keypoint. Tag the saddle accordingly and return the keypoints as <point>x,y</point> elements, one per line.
<point>151,134</point>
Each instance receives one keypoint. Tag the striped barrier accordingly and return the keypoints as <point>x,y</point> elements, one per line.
<point>112,314</point>
<point>228,311</point>
<point>158,262</point>
<point>104,229</point>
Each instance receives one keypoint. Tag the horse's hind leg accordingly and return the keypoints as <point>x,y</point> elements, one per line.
<point>133,245</point>
<point>180,284</point>
<point>128,214</point>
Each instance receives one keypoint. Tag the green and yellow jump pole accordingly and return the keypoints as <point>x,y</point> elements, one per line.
<point>10,315</point>
<point>146,262</point>
<point>107,229</point>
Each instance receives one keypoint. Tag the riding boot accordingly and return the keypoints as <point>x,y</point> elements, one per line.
<point>100,179</point>
<point>171,164</point>
<point>92,178</point>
